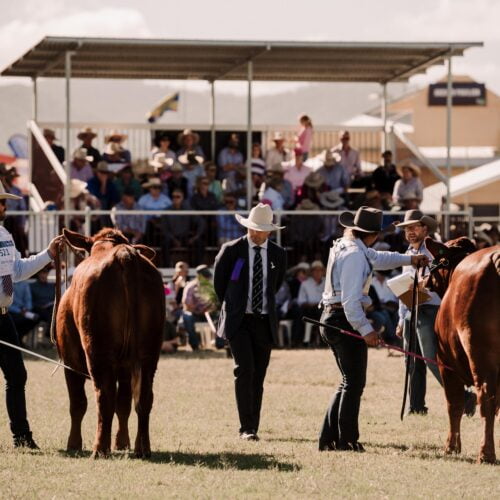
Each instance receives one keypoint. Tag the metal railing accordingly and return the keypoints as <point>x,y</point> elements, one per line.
<point>45,225</point>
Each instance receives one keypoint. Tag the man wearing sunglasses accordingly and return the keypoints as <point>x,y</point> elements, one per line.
<point>12,269</point>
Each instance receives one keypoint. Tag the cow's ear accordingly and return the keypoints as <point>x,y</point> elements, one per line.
<point>436,248</point>
<point>148,252</point>
<point>78,241</point>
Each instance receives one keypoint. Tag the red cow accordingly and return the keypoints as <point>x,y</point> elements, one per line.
<point>468,329</point>
<point>109,324</point>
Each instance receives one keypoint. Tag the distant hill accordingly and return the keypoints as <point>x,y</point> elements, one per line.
<point>128,101</point>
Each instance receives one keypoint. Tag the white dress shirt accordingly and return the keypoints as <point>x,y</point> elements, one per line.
<point>310,291</point>
<point>251,258</point>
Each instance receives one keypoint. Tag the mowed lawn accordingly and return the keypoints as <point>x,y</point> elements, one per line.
<point>197,453</point>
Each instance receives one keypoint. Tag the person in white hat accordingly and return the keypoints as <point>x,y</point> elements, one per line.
<point>13,268</point>
<point>80,165</point>
<point>409,186</point>
<point>247,275</point>
<point>278,153</point>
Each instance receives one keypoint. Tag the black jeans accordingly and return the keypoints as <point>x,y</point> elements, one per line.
<point>341,420</point>
<point>251,348</point>
<point>12,365</point>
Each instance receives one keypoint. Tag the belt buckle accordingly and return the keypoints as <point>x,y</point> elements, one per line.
<point>4,310</point>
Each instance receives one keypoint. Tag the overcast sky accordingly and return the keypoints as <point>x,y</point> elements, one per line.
<point>24,22</point>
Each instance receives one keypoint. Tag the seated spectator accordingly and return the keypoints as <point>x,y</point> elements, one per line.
<point>237,185</point>
<point>188,144</point>
<point>192,165</point>
<point>311,291</point>
<point>80,165</point>
<point>278,153</point>
<point>114,154</point>
<point>409,183</point>
<point>118,138</point>
<point>87,135</point>
<point>230,158</point>
<point>349,157</point>
<point>202,198</point>
<point>162,166</point>
<point>271,195</point>
<point>162,145</point>
<point>43,295</point>
<point>296,172</point>
<point>50,137</point>
<point>195,304</point>
<point>103,188</point>
<point>183,230</point>
<point>334,174</point>
<point>154,199</point>
<point>125,180</point>
<point>21,310</point>
<point>305,135</point>
<point>384,177</point>
<point>80,200</point>
<point>132,226</point>
<point>314,185</point>
<point>177,180</point>
<point>280,184</point>
<point>228,228</point>
<point>214,186</point>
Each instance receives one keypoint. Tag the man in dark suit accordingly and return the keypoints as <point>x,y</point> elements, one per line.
<point>248,273</point>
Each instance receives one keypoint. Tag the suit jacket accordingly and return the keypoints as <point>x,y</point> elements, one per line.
<point>231,282</point>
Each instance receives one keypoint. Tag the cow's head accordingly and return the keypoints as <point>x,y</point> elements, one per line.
<point>81,243</point>
<point>446,258</point>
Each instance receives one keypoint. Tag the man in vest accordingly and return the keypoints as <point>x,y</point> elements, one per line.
<point>348,276</point>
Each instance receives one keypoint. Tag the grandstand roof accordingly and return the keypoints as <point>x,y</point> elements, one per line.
<point>226,59</point>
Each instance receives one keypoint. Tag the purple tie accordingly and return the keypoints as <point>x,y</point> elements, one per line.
<point>7,285</point>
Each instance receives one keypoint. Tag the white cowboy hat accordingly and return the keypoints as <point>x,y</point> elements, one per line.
<point>153,182</point>
<point>408,164</point>
<point>7,196</point>
<point>182,135</point>
<point>81,154</point>
<point>77,188</point>
<point>259,219</point>
<point>278,136</point>
<point>161,161</point>
<point>190,157</point>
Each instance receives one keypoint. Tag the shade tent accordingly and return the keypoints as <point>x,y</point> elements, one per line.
<point>478,186</point>
<point>212,60</point>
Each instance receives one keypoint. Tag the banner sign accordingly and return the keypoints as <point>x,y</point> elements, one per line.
<point>463,94</point>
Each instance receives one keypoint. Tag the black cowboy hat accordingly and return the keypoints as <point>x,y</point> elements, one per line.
<point>366,220</point>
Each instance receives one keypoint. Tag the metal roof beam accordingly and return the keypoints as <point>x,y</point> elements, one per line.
<point>239,62</point>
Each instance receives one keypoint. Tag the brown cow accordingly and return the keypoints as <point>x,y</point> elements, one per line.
<point>109,324</point>
<point>468,329</point>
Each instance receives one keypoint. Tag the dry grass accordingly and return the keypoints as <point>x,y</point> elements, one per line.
<point>197,453</point>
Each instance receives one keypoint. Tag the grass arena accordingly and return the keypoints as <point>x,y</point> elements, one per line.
<point>196,451</point>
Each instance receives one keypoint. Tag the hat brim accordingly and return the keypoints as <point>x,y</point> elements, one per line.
<point>427,221</point>
<point>346,219</point>
<point>257,227</point>
<point>182,135</point>
<point>8,196</point>
<point>82,135</point>
<point>330,204</point>
<point>413,168</point>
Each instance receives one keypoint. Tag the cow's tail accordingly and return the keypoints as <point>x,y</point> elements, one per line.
<point>129,313</point>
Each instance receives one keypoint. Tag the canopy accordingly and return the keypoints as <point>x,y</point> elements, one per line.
<point>226,59</point>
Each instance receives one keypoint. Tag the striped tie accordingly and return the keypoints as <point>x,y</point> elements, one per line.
<point>257,284</point>
<point>7,285</point>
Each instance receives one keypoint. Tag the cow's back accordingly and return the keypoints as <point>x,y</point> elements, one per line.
<point>468,322</point>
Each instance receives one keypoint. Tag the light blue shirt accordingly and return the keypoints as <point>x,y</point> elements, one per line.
<point>350,264</point>
<point>19,268</point>
<point>435,299</point>
<point>191,176</point>
<point>147,202</point>
<point>22,298</point>
<point>336,177</point>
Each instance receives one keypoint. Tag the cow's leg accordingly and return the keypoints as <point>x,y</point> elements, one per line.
<point>143,398</point>
<point>77,408</point>
<point>454,390</point>
<point>105,389</point>
<point>487,391</point>
<point>123,408</point>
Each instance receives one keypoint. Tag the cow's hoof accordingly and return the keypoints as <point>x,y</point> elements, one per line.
<point>122,443</point>
<point>139,453</point>
<point>452,450</point>
<point>99,454</point>
<point>486,458</point>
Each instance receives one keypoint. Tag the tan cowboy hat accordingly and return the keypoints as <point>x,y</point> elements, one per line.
<point>115,136</point>
<point>77,188</point>
<point>277,168</point>
<point>81,154</point>
<point>86,132</point>
<point>190,158</point>
<point>181,136</point>
<point>161,161</point>
<point>331,199</point>
<point>415,216</point>
<point>7,196</point>
<point>307,204</point>
<point>112,148</point>
<point>411,166</point>
<point>314,180</point>
<point>153,182</point>
<point>331,158</point>
<point>366,220</point>
<point>259,219</point>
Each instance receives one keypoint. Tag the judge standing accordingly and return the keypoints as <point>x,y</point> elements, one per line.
<point>248,273</point>
<point>348,278</point>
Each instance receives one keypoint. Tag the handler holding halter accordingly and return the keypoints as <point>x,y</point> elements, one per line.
<point>348,277</point>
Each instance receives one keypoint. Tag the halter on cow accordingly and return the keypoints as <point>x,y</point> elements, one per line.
<point>468,327</point>
<point>109,324</point>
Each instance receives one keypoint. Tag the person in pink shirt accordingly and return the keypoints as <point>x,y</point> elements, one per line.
<point>296,171</point>
<point>305,136</point>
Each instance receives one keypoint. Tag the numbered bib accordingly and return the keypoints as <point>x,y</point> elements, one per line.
<point>7,257</point>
